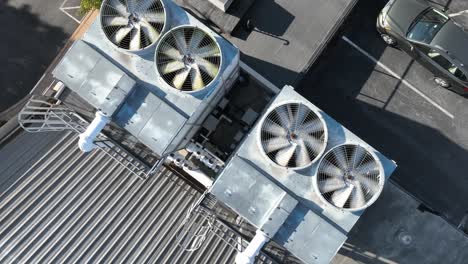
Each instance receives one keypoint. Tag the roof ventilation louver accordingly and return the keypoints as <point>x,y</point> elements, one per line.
<point>293,135</point>
<point>188,58</point>
<point>350,177</point>
<point>133,25</point>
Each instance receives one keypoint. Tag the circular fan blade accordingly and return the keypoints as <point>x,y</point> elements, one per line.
<point>118,7</point>
<point>331,170</point>
<point>358,156</point>
<point>121,33</point>
<point>208,67</point>
<point>341,158</point>
<point>143,6</point>
<point>340,196</point>
<point>357,196</point>
<point>274,129</point>
<point>367,168</point>
<point>195,41</point>
<point>157,18</point>
<point>314,144</point>
<point>310,127</point>
<point>132,25</point>
<point>284,155</point>
<point>330,185</point>
<point>180,41</point>
<point>275,144</point>
<point>115,21</point>
<point>180,78</point>
<point>283,115</point>
<point>172,66</point>
<point>371,186</point>
<point>301,115</point>
<point>135,39</point>
<point>171,52</point>
<point>302,153</point>
<point>197,80</point>
<point>207,51</point>
<point>149,31</point>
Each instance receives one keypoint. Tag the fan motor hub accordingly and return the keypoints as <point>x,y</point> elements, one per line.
<point>348,176</point>
<point>188,60</point>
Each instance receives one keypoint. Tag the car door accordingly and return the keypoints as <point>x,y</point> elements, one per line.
<point>445,67</point>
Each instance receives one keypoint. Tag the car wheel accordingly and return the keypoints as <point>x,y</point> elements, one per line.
<point>388,39</point>
<point>441,82</point>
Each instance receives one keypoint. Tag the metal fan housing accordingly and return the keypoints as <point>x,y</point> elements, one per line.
<point>188,59</point>
<point>349,177</point>
<point>133,26</point>
<point>292,135</point>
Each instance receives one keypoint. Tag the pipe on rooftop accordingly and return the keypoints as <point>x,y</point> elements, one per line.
<point>86,141</point>
<point>248,255</point>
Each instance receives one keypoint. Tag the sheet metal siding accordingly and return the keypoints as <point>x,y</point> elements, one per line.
<point>70,207</point>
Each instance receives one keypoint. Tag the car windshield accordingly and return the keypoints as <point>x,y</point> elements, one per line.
<point>426,26</point>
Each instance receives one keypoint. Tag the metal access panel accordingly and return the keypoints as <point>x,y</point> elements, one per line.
<point>310,237</point>
<point>94,78</point>
<point>245,189</point>
<point>150,119</point>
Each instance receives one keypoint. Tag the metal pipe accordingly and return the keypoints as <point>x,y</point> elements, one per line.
<point>252,250</point>
<point>86,141</point>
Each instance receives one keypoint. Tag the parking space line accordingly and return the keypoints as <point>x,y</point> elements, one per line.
<point>458,13</point>
<point>406,83</point>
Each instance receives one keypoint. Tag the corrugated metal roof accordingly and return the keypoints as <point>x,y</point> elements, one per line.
<point>59,205</point>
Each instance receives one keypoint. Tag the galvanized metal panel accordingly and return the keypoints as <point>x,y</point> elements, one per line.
<point>247,191</point>
<point>310,237</point>
<point>161,128</point>
<point>94,78</point>
<point>151,120</point>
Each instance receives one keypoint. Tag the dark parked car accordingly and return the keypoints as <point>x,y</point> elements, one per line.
<point>429,35</point>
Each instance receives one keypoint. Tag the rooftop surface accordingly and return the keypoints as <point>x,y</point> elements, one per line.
<point>59,204</point>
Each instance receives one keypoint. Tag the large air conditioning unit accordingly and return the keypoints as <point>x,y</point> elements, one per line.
<point>302,179</point>
<point>181,70</point>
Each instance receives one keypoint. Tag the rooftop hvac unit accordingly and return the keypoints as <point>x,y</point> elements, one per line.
<point>281,181</point>
<point>181,68</point>
<point>133,26</point>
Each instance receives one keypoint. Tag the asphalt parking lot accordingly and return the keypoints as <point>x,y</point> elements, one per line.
<point>32,33</point>
<point>390,101</point>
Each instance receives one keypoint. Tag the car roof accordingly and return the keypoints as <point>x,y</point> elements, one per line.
<point>453,39</point>
<point>404,12</point>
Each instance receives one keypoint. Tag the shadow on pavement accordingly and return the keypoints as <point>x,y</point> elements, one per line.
<point>432,167</point>
<point>27,47</point>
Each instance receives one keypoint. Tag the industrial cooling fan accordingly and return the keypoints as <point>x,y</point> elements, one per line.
<point>132,25</point>
<point>350,177</point>
<point>293,136</point>
<point>188,58</point>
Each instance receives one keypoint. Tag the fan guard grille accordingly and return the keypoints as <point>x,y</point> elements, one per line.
<point>350,177</point>
<point>132,24</point>
<point>293,136</point>
<point>188,58</point>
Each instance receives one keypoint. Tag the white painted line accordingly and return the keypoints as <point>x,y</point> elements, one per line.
<point>64,10</point>
<point>409,85</point>
<point>459,13</point>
